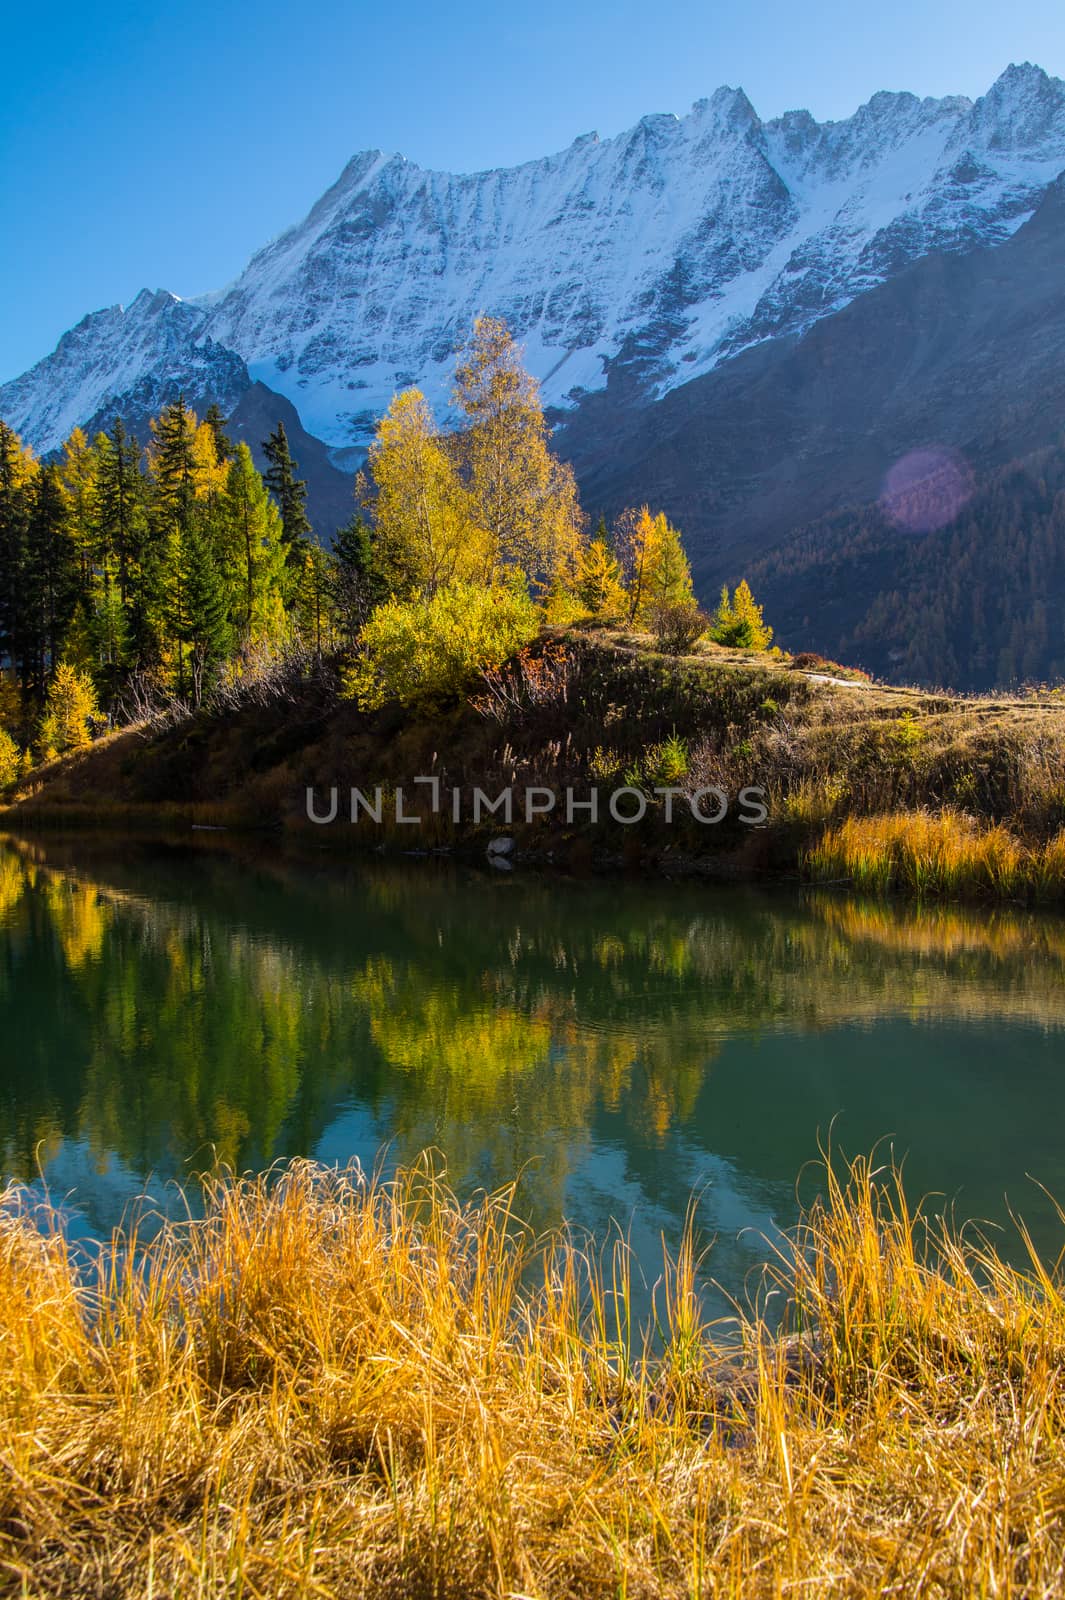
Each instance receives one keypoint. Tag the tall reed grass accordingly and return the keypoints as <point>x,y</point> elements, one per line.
<point>922,853</point>
<point>334,1387</point>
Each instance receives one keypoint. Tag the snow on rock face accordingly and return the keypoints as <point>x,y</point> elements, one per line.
<point>131,359</point>
<point>660,252</point>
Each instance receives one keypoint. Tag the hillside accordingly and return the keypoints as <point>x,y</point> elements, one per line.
<point>602,709</point>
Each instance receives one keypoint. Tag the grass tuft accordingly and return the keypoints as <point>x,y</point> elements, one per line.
<point>331,1386</point>
<point>949,854</point>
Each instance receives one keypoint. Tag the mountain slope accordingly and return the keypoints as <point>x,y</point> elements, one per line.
<point>965,351</point>
<point>979,602</point>
<point>651,257</point>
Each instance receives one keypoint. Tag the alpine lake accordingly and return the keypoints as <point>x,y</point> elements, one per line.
<point>624,1047</point>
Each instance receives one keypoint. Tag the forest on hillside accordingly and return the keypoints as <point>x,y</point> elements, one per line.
<point>136,580</point>
<point>978,604</point>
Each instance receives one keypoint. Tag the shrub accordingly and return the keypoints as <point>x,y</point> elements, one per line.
<point>432,649</point>
<point>677,626</point>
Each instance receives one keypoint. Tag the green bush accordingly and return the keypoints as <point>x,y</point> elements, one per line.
<point>433,649</point>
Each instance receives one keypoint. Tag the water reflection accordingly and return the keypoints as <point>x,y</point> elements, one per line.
<point>618,1043</point>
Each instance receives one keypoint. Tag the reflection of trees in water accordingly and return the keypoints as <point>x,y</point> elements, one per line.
<point>159,1012</point>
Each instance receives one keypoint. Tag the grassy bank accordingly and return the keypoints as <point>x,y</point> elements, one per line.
<point>950,855</point>
<point>597,708</point>
<point>333,1388</point>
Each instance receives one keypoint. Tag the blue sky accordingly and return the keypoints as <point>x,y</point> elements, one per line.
<point>160,147</point>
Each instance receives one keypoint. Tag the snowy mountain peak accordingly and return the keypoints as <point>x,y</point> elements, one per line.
<point>650,256</point>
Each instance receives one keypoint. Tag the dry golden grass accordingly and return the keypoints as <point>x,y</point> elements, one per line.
<point>921,853</point>
<point>329,1387</point>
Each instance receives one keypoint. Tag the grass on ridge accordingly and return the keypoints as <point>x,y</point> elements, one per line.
<point>331,1387</point>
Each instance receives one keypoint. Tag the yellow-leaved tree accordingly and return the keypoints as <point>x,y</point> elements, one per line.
<point>522,497</point>
<point>68,709</point>
<point>598,582</point>
<point>426,534</point>
<point>738,622</point>
<point>9,759</point>
<point>653,563</point>
<point>80,472</point>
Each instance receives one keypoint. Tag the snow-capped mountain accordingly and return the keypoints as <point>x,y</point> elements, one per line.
<point>656,255</point>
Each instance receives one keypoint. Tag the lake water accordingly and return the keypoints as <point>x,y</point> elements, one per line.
<point>622,1044</point>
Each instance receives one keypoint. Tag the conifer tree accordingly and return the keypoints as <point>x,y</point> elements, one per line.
<point>200,618</point>
<point>52,578</point>
<point>225,450</point>
<point>290,492</point>
<point>653,563</point>
<point>253,551</point>
<point>667,578</point>
<point>17,471</point>
<point>80,475</point>
<point>598,585</point>
<point>172,461</point>
<point>357,583</point>
<point>120,491</point>
<point>9,759</point>
<point>738,622</point>
<point>68,711</point>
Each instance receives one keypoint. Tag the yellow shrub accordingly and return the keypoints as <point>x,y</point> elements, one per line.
<point>424,651</point>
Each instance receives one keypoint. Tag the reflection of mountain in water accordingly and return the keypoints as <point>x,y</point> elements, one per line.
<point>628,1041</point>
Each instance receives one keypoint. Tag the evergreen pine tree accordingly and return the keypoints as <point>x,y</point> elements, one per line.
<point>290,493</point>
<point>15,492</point>
<point>200,618</point>
<point>120,494</point>
<point>225,449</point>
<point>358,584</point>
<point>173,462</point>
<point>253,551</point>
<point>52,579</point>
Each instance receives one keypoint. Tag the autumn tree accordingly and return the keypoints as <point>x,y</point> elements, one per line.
<point>426,535</point>
<point>738,621</point>
<point>79,468</point>
<point>9,759</point>
<point>653,563</point>
<point>68,711</point>
<point>598,581</point>
<point>522,498</point>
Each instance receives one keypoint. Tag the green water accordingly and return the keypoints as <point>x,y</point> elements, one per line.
<point>620,1043</point>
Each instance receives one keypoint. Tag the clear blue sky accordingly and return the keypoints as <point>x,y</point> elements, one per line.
<point>158,146</point>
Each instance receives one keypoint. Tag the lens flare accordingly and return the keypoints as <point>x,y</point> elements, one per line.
<point>926,489</point>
